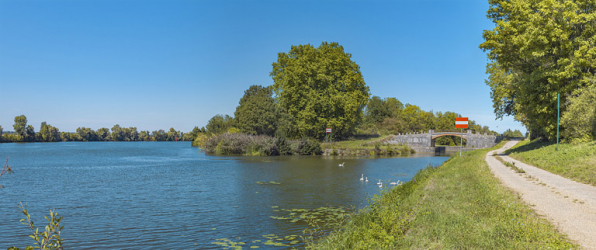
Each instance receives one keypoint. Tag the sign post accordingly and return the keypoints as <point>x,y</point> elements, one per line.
<point>461,123</point>
<point>558,114</point>
<point>328,132</point>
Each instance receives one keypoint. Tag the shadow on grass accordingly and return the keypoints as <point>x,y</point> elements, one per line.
<point>535,144</point>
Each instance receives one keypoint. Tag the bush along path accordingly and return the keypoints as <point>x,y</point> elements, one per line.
<point>569,205</point>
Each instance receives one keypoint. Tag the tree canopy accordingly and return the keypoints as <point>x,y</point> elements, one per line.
<point>257,112</point>
<point>537,50</point>
<point>320,87</point>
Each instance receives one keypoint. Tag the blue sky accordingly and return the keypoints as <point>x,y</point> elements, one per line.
<point>161,64</point>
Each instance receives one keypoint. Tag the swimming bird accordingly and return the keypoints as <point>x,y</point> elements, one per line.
<point>366,179</point>
<point>379,183</point>
<point>362,178</point>
<point>342,164</point>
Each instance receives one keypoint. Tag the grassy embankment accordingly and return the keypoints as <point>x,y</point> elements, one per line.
<point>459,205</point>
<point>573,161</point>
<point>373,146</point>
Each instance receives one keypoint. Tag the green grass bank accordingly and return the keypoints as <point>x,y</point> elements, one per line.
<point>373,147</point>
<point>573,161</point>
<point>458,205</point>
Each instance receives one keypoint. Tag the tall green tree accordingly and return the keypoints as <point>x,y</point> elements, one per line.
<point>117,133</point>
<point>377,110</point>
<point>536,50</point>
<point>145,136</point>
<point>87,134</point>
<point>130,134</point>
<point>48,133</point>
<point>220,124</point>
<point>159,135</point>
<point>394,107</point>
<point>20,124</point>
<point>103,134</point>
<point>257,112</point>
<point>29,133</point>
<point>173,135</point>
<point>320,87</point>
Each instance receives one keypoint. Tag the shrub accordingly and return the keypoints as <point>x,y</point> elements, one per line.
<point>283,147</point>
<point>243,144</point>
<point>200,141</point>
<point>579,122</point>
<point>263,145</point>
<point>233,144</point>
<point>308,146</point>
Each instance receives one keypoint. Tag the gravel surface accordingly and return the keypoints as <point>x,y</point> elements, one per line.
<point>569,205</point>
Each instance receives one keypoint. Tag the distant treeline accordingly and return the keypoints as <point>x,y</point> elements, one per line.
<point>48,133</point>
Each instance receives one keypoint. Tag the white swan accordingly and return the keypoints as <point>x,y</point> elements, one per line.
<point>362,178</point>
<point>379,183</point>
<point>342,164</point>
<point>366,179</point>
<point>396,183</point>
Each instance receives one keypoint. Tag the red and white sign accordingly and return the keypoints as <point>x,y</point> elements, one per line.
<point>461,122</point>
<point>328,130</point>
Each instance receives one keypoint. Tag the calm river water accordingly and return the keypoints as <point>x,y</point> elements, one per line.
<point>169,195</point>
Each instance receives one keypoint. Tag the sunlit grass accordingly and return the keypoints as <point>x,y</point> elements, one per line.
<point>354,144</point>
<point>573,161</point>
<point>459,205</point>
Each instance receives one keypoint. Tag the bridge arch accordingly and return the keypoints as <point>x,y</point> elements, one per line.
<point>427,139</point>
<point>435,136</point>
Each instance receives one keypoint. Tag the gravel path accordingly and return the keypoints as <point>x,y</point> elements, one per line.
<point>569,205</point>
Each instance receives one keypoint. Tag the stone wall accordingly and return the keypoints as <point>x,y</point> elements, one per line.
<point>412,139</point>
<point>421,140</point>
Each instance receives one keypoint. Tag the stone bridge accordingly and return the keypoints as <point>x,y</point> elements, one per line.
<point>474,140</point>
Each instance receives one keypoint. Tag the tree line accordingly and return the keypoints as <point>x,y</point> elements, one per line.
<point>318,88</point>
<point>48,133</point>
<point>538,50</point>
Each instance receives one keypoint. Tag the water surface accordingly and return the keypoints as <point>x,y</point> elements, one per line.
<point>168,195</point>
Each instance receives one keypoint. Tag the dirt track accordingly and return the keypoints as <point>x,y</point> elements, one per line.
<point>569,205</point>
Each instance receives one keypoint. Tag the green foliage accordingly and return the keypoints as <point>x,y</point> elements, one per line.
<point>220,124</point>
<point>49,239</point>
<point>580,119</point>
<point>308,146</point>
<point>173,135</point>
<point>20,123</point>
<point>257,113</point>
<point>103,134</point>
<point>87,134</point>
<point>319,87</point>
<point>537,50</point>
<point>376,110</point>
<point>243,144</point>
<point>48,133</point>
<point>29,134</point>
<point>515,133</point>
<point>283,146</point>
<point>200,140</point>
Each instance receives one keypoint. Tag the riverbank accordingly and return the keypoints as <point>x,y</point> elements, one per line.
<point>573,161</point>
<point>457,205</point>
